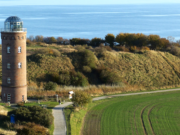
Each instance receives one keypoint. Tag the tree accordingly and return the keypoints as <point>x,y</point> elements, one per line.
<point>110,38</point>
<point>81,98</point>
<point>39,38</point>
<point>50,86</point>
<point>96,41</point>
<point>31,38</point>
<point>52,39</point>
<point>153,40</point>
<point>120,38</point>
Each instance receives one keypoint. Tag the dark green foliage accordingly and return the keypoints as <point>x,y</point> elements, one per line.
<point>109,76</point>
<point>81,98</point>
<point>34,114</point>
<point>32,129</point>
<point>96,41</point>
<point>79,41</point>
<point>89,59</point>
<point>87,69</point>
<point>73,78</point>
<point>78,79</point>
<point>110,38</point>
<point>50,86</point>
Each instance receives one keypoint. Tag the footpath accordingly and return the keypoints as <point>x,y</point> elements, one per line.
<point>59,118</point>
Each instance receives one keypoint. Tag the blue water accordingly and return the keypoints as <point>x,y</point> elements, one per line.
<point>97,21</point>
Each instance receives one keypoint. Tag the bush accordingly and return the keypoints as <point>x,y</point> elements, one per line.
<point>50,86</point>
<point>175,50</point>
<point>122,48</point>
<point>144,49</point>
<point>81,98</point>
<point>34,114</point>
<point>20,104</point>
<point>87,69</point>
<point>73,78</point>
<point>79,47</point>
<point>133,48</point>
<point>32,129</point>
<point>109,76</point>
<point>78,79</point>
<point>53,52</point>
<point>89,59</point>
<point>108,48</point>
<point>100,49</point>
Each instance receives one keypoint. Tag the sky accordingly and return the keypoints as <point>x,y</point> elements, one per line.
<point>82,2</point>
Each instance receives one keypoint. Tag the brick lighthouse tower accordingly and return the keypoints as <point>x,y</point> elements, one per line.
<point>14,84</point>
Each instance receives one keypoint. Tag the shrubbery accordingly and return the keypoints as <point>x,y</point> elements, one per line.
<point>89,58</point>
<point>53,52</point>
<point>81,98</point>
<point>109,76</point>
<point>34,114</point>
<point>87,69</point>
<point>32,129</point>
<point>175,50</point>
<point>50,86</point>
<point>73,78</point>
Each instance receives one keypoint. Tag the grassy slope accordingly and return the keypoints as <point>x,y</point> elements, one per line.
<point>150,69</point>
<point>142,114</point>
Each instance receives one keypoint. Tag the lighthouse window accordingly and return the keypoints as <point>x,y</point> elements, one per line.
<point>22,37</point>
<point>8,49</point>
<point>19,65</point>
<point>8,65</point>
<point>19,49</point>
<point>8,80</point>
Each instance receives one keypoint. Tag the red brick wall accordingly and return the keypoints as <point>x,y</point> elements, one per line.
<point>17,87</point>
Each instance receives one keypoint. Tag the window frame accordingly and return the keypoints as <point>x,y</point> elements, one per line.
<point>19,65</point>
<point>8,65</point>
<point>8,49</point>
<point>19,49</point>
<point>9,80</point>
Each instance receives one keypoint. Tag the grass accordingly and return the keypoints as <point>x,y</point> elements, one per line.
<point>50,105</point>
<point>140,114</point>
<point>67,113</point>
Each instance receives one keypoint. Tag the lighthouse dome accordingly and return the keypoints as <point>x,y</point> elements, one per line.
<point>13,23</point>
<point>13,19</point>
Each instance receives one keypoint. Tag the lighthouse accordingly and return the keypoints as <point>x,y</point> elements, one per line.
<point>14,83</point>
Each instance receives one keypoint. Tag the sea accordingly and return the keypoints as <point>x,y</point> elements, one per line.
<point>89,21</point>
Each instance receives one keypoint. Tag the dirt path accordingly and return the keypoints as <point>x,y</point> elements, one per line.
<point>59,119</point>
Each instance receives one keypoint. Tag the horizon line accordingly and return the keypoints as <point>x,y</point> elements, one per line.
<point>94,4</point>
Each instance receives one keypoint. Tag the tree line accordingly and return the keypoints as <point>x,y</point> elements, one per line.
<point>122,39</point>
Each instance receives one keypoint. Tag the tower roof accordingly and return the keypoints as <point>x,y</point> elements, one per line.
<point>13,19</point>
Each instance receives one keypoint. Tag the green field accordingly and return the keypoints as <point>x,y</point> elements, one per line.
<point>150,114</point>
